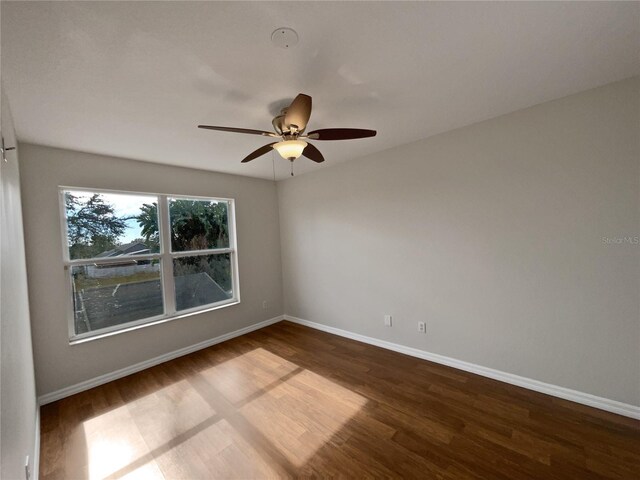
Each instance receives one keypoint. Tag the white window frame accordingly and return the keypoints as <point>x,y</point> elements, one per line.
<point>165,257</point>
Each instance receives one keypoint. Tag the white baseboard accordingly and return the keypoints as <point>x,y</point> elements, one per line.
<point>35,464</point>
<point>601,403</point>
<point>547,388</point>
<point>123,372</point>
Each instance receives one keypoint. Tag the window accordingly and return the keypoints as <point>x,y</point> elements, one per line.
<point>136,258</point>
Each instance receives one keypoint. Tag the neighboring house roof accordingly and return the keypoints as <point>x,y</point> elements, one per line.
<point>133,248</point>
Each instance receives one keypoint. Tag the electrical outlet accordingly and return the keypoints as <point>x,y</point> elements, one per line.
<point>387,320</point>
<point>265,304</point>
<point>422,327</point>
<point>27,469</point>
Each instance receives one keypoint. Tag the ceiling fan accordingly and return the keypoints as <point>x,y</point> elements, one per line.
<point>290,126</point>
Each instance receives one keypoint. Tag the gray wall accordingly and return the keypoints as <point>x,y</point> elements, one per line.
<point>17,385</point>
<point>493,235</point>
<point>59,364</point>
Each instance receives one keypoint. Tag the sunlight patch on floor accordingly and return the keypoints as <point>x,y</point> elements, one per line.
<point>113,442</point>
<point>302,414</point>
<point>245,417</point>
<point>248,374</point>
<point>169,413</point>
<point>219,451</point>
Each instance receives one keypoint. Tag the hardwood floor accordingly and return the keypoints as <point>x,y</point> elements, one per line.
<point>289,401</point>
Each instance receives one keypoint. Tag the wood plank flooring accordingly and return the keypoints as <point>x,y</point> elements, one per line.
<point>288,401</point>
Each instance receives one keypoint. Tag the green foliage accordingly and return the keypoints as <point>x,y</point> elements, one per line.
<point>92,226</point>
<point>195,224</point>
<point>148,221</point>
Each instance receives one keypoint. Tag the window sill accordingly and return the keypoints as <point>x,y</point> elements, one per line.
<point>89,337</point>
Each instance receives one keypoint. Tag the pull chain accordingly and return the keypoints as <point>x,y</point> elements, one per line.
<point>273,164</point>
<point>292,168</point>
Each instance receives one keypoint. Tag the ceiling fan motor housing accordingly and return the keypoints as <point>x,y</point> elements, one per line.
<point>278,122</point>
<point>283,129</point>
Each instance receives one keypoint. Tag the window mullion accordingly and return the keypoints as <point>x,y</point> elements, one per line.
<point>168,283</point>
<point>197,253</point>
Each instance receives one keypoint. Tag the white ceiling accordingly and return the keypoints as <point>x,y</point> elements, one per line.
<point>133,79</point>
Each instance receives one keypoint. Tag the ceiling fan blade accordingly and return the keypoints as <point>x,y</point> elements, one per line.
<point>258,153</point>
<point>298,112</point>
<point>239,130</point>
<point>312,153</point>
<point>341,134</point>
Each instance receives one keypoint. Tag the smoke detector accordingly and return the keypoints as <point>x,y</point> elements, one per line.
<point>284,37</point>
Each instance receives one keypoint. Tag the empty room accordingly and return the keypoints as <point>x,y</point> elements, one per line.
<point>272,239</point>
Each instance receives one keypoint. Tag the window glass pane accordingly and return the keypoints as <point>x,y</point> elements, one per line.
<point>201,280</point>
<point>108,295</point>
<point>110,224</point>
<point>198,224</point>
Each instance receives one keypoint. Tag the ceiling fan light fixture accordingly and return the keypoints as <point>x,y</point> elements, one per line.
<point>290,149</point>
